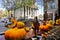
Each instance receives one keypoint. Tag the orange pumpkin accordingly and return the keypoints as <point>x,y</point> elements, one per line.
<point>44,27</point>
<point>14,23</point>
<point>20,24</point>
<point>7,33</point>
<point>15,34</point>
<point>41,27</point>
<point>49,25</point>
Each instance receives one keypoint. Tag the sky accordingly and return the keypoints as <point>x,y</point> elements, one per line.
<point>40,6</point>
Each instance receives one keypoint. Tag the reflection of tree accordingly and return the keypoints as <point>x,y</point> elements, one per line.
<point>15,4</point>
<point>27,5</point>
<point>8,4</point>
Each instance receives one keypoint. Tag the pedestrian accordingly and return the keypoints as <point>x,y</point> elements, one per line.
<point>45,16</point>
<point>36,25</point>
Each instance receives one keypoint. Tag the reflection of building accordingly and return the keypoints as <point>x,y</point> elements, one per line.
<point>30,13</point>
<point>34,9</point>
<point>52,8</point>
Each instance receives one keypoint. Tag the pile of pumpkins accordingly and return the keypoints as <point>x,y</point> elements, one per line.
<point>45,26</point>
<point>17,33</point>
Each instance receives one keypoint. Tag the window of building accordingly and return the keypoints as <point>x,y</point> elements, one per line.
<point>52,5</point>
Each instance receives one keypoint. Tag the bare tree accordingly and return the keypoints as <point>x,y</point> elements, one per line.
<point>8,4</point>
<point>11,4</point>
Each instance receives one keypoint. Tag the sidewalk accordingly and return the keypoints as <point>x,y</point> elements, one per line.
<point>2,30</point>
<point>2,37</point>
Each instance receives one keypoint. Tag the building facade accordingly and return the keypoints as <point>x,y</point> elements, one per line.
<point>51,8</point>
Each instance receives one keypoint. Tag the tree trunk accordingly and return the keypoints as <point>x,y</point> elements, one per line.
<point>24,12</point>
<point>11,13</point>
<point>29,11</point>
<point>20,13</point>
<point>32,12</point>
<point>14,13</point>
<point>8,14</point>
